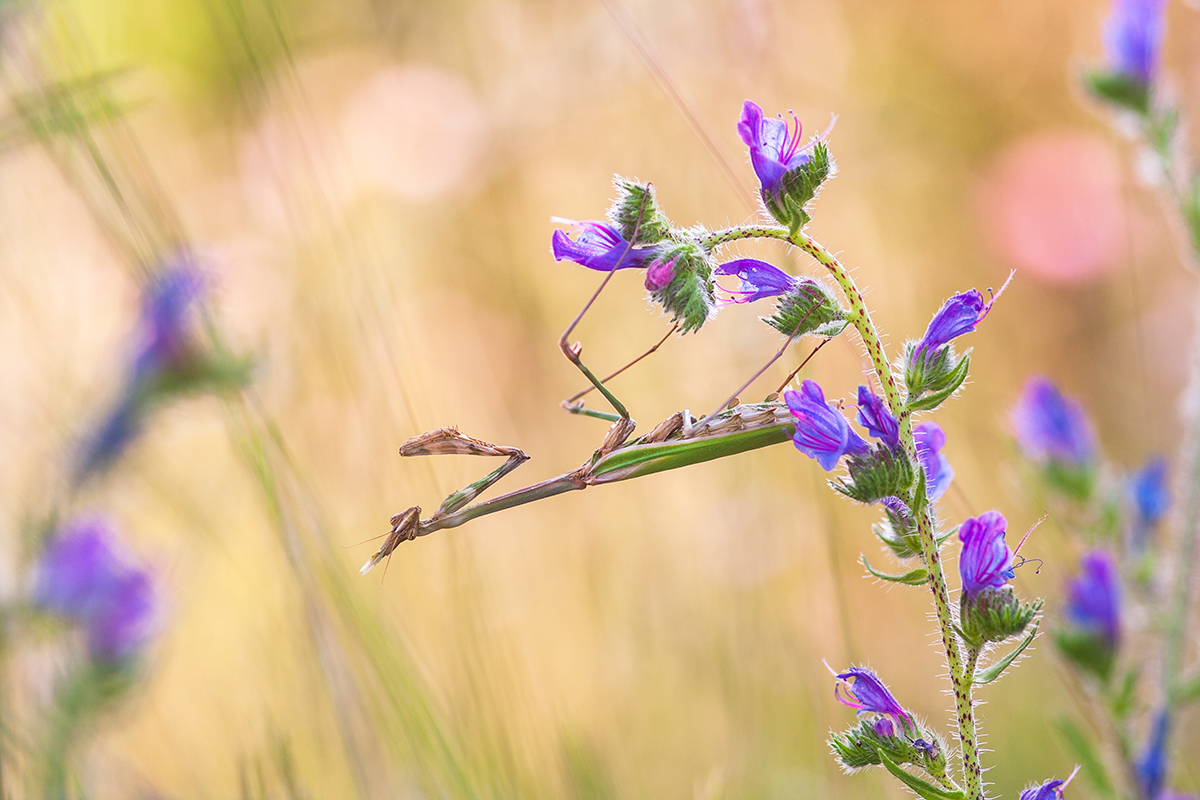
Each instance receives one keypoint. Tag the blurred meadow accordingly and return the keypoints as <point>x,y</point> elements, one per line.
<point>369,187</point>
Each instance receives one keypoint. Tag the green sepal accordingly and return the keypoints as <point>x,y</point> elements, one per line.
<point>922,787</point>
<point>690,297</point>
<point>917,577</point>
<point>808,309</point>
<point>993,615</point>
<point>635,210</point>
<point>861,746</point>
<point>799,186</point>
<point>1121,702</point>
<point>1120,90</point>
<point>938,372</point>
<point>996,669</point>
<point>1073,480</point>
<point>219,373</point>
<point>1189,692</point>
<point>1088,651</point>
<point>951,384</point>
<point>1088,759</point>
<point>880,473</point>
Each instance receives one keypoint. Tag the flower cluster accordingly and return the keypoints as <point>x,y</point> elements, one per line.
<point>84,576</point>
<point>169,361</point>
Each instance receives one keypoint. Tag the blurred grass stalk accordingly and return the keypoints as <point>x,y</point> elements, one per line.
<point>383,708</point>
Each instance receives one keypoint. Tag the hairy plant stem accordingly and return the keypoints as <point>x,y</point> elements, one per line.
<point>860,317</point>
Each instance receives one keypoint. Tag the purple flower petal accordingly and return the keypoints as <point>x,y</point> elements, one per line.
<point>1151,494</point>
<point>930,439</point>
<point>873,415</point>
<point>821,430</point>
<point>84,576</point>
<point>1050,790</point>
<point>1094,597</point>
<point>759,279</point>
<point>1051,426</point>
<point>867,693</point>
<point>598,246</point>
<point>166,318</point>
<point>1133,35</point>
<point>985,557</point>
<point>774,146</point>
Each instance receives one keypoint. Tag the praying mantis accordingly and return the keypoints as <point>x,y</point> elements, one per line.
<point>678,441</point>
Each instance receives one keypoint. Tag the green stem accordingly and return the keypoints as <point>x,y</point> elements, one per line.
<point>1175,638</point>
<point>1176,627</point>
<point>860,317</point>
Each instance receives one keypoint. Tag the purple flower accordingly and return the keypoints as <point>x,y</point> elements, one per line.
<point>774,146</point>
<point>884,727</point>
<point>1051,426</point>
<point>1050,790</point>
<point>1150,492</point>
<point>873,415</point>
<point>597,245</point>
<point>85,577</point>
<point>1133,35</point>
<point>1151,767</point>
<point>868,693</point>
<point>759,280</point>
<point>821,430</point>
<point>957,316</point>
<point>985,559</point>
<point>165,321</point>
<point>1094,602</point>
<point>930,439</point>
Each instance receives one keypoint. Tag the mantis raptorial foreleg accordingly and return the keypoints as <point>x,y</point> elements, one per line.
<point>451,441</point>
<point>675,442</point>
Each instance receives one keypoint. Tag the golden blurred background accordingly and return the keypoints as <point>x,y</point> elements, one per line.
<point>369,184</point>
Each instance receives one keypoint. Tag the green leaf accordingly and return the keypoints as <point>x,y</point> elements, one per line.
<point>1089,761</point>
<point>918,577</point>
<point>922,787</point>
<point>953,381</point>
<point>993,672</point>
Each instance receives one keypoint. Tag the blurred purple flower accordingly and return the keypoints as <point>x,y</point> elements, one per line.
<point>165,346</point>
<point>774,146</point>
<point>165,320</point>
<point>884,727</point>
<point>868,693</point>
<point>85,577</point>
<point>597,245</point>
<point>1150,492</point>
<point>957,316</point>
<point>985,559</point>
<point>1133,35</point>
<point>873,415</point>
<point>821,430</point>
<point>1151,766</point>
<point>1050,790</point>
<point>1050,425</point>
<point>1094,598</point>
<point>930,439</point>
<point>759,280</point>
